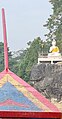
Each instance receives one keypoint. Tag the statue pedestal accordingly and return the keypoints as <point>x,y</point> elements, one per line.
<point>54,54</point>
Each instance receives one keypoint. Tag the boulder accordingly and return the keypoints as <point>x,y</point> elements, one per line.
<point>47,79</point>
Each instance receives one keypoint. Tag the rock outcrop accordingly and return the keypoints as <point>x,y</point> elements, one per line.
<point>47,79</point>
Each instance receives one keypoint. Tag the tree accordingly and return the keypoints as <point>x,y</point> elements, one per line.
<point>30,58</point>
<point>54,23</point>
<point>12,62</point>
<point>1,56</point>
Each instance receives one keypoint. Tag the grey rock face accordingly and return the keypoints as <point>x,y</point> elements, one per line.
<point>47,79</point>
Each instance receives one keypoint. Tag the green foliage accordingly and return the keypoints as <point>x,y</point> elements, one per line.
<point>13,65</point>
<point>30,58</point>
<point>1,56</point>
<point>54,23</point>
<point>12,61</point>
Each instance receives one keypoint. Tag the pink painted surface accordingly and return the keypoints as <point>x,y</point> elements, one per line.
<point>12,103</point>
<point>5,40</point>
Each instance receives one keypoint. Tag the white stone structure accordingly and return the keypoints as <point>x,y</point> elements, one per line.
<point>53,56</point>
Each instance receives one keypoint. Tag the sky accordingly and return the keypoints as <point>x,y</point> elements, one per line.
<point>24,21</point>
